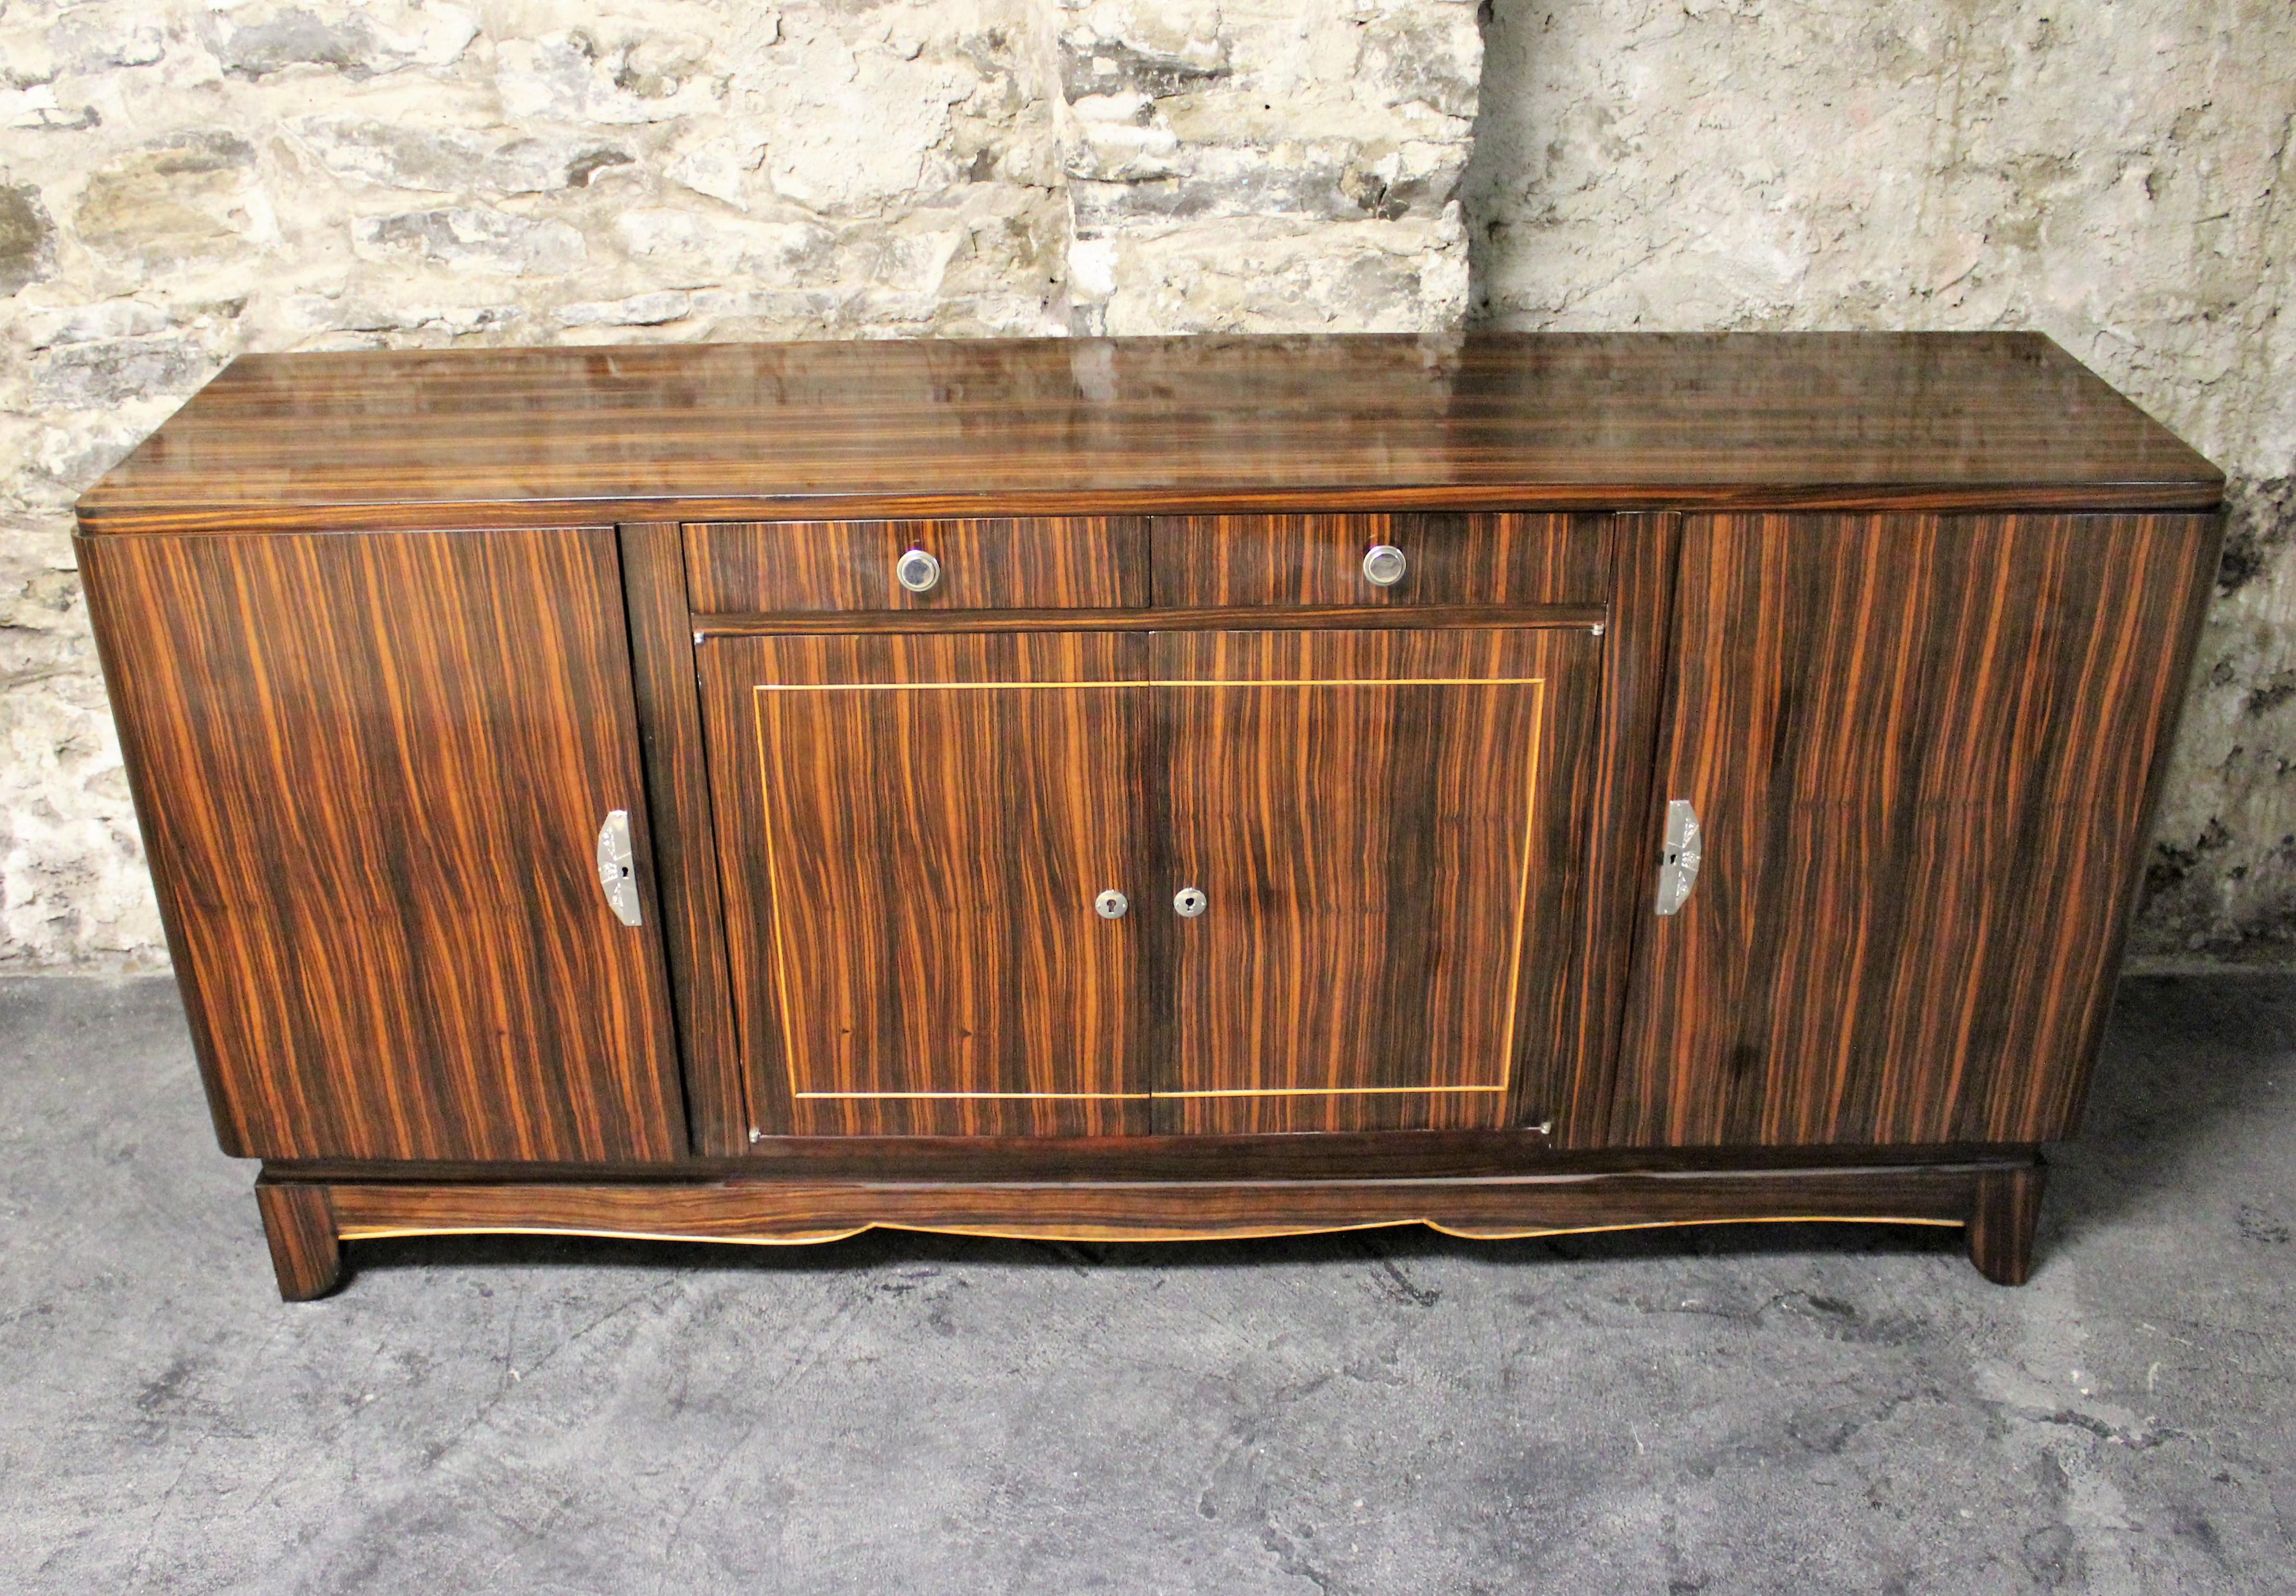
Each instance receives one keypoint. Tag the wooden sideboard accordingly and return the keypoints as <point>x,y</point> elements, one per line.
<point>1149,789</point>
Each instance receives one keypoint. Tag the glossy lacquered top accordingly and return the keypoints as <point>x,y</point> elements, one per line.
<point>1492,420</point>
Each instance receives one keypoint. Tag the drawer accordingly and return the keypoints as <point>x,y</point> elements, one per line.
<point>1067,562</point>
<point>1215,560</point>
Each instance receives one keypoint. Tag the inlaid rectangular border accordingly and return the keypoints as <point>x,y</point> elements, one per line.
<point>1522,882</point>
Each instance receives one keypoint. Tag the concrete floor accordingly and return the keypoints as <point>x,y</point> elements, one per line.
<point>1758,1409</point>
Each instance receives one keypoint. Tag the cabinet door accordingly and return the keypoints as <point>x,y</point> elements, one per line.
<point>915,830</point>
<point>1922,748</point>
<point>1388,828</point>
<point>371,771</point>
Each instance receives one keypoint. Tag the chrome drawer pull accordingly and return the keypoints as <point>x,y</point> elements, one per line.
<point>1384,565</point>
<point>919,571</point>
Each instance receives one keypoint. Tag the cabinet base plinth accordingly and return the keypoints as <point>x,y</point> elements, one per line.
<point>1997,1201</point>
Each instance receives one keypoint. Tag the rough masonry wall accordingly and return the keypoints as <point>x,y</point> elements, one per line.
<point>180,181</point>
<point>184,180</point>
<point>2116,174</point>
<point>1265,163</point>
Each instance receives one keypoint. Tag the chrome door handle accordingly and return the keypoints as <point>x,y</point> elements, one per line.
<point>616,872</point>
<point>918,570</point>
<point>1677,871</point>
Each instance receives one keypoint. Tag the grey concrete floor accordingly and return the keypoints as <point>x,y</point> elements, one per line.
<point>1754,1409</point>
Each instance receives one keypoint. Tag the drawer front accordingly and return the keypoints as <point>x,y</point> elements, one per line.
<point>1217,560</point>
<point>1068,563</point>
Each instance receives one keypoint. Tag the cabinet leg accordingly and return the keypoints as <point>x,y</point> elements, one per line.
<point>300,1222</point>
<point>2002,1221</point>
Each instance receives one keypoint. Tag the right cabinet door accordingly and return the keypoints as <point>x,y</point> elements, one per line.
<point>1923,750</point>
<point>1387,830</point>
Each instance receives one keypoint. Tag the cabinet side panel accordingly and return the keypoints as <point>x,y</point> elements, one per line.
<point>372,770</point>
<point>1922,748</point>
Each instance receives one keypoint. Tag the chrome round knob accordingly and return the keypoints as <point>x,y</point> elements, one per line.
<point>1111,904</point>
<point>1188,902</point>
<point>1384,565</point>
<point>918,571</point>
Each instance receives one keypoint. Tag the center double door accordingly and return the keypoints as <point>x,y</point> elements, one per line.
<point>917,831</point>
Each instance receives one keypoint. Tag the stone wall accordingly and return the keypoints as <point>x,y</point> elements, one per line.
<point>1275,163</point>
<point>185,180</point>
<point>2115,173</point>
<point>180,180</point>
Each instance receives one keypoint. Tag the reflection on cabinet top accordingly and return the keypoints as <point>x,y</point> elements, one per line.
<point>486,438</point>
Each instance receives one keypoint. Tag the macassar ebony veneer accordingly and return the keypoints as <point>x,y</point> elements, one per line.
<point>1133,790</point>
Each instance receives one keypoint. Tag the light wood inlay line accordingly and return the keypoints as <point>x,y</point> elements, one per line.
<point>1008,686</point>
<point>1056,1232</point>
<point>1370,682</point>
<point>1413,617</point>
<point>1145,1096</point>
<point>1013,1096</point>
<point>1320,1091</point>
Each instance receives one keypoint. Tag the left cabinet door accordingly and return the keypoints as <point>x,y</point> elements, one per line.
<point>371,770</point>
<point>917,833</point>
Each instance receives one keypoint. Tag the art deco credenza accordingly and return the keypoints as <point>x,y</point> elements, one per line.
<point>1128,790</point>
